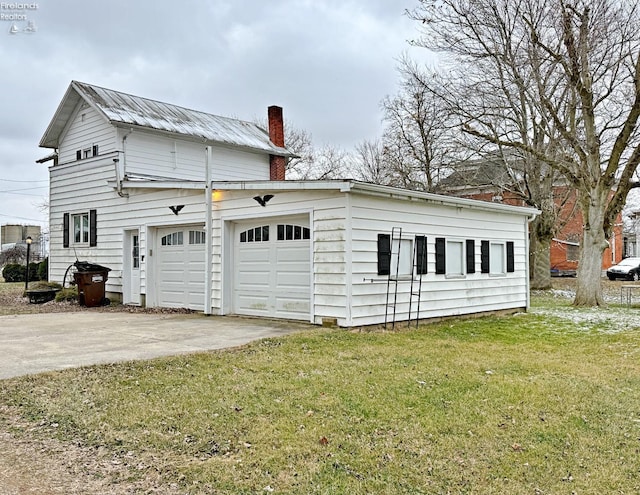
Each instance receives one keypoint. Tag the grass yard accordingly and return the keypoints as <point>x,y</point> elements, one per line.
<point>527,404</point>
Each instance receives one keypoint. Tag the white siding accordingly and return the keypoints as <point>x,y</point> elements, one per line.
<point>441,295</point>
<point>345,229</point>
<point>157,155</point>
<point>85,129</point>
<point>79,187</point>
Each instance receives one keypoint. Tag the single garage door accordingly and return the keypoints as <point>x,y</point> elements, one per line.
<point>180,267</point>
<point>272,274</point>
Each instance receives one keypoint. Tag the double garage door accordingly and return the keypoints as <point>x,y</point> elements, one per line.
<point>270,268</point>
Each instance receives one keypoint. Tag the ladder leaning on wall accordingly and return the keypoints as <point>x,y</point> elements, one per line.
<point>418,267</point>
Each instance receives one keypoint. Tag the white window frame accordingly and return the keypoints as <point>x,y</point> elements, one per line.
<point>405,268</point>
<point>82,232</point>
<point>455,264</point>
<point>497,259</point>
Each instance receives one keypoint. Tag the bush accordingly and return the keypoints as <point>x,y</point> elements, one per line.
<point>33,272</point>
<point>43,269</point>
<point>68,294</point>
<point>13,272</point>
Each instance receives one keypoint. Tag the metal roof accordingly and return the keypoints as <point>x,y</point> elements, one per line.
<point>127,110</point>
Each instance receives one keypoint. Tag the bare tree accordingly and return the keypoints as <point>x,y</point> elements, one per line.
<point>417,143</point>
<point>577,65</point>
<point>311,162</point>
<point>16,254</point>
<point>370,165</point>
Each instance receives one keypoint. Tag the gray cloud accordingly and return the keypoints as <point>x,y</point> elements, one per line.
<point>328,63</point>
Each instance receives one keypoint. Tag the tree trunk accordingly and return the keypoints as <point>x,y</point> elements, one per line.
<point>540,263</point>
<point>594,242</point>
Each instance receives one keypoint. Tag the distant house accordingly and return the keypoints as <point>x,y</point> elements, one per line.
<point>190,210</point>
<point>12,235</point>
<point>495,181</point>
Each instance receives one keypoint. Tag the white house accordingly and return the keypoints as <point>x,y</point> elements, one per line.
<point>190,210</point>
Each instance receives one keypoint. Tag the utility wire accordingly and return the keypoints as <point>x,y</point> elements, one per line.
<point>28,181</point>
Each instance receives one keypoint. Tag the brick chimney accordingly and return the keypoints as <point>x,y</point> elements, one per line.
<point>276,135</point>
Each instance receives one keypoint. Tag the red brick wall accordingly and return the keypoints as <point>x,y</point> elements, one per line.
<point>571,216</point>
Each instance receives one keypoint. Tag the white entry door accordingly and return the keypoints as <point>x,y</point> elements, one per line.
<point>272,268</point>
<point>131,272</point>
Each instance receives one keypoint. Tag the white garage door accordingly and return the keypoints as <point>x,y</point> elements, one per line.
<point>272,274</point>
<point>180,267</point>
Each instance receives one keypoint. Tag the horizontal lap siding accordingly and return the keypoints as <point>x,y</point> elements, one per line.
<point>329,240</point>
<point>162,156</point>
<point>78,188</point>
<point>440,296</point>
<point>82,134</point>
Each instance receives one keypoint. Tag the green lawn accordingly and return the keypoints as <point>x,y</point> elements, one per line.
<point>524,404</point>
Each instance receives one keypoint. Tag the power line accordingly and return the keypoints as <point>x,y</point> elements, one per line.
<point>25,189</point>
<point>42,195</point>
<point>27,181</point>
<point>22,218</point>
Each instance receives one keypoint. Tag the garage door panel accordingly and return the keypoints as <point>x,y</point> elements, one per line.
<point>248,279</point>
<point>253,304</point>
<point>180,268</point>
<point>272,277</point>
<point>292,281</point>
<point>286,254</point>
<point>292,306</point>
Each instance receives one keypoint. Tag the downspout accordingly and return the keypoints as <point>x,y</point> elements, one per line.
<point>208,228</point>
<point>527,221</point>
<point>121,173</point>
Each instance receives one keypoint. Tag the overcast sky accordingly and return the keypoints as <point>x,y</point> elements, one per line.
<point>327,63</point>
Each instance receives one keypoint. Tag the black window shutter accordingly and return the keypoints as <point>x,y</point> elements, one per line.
<point>484,256</point>
<point>93,232</point>
<point>65,230</point>
<point>384,254</point>
<point>421,255</point>
<point>510,260</point>
<point>441,260</point>
<point>95,150</point>
<point>471,256</point>
<point>79,155</point>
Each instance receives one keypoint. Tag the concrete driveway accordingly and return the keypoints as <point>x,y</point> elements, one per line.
<point>44,342</point>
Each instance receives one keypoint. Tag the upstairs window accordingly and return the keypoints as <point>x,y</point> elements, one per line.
<point>87,152</point>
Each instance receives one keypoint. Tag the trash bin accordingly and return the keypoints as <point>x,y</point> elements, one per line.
<point>90,280</point>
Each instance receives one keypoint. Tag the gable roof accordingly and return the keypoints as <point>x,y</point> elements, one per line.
<point>493,170</point>
<point>122,109</point>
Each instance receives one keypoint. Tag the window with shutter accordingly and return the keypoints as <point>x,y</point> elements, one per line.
<point>421,255</point>
<point>65,230</point>
<point>471,256</point>
<point>484,256</point>
<point>441,257</point>
<point>384,254</point>
<point>510,258</point>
